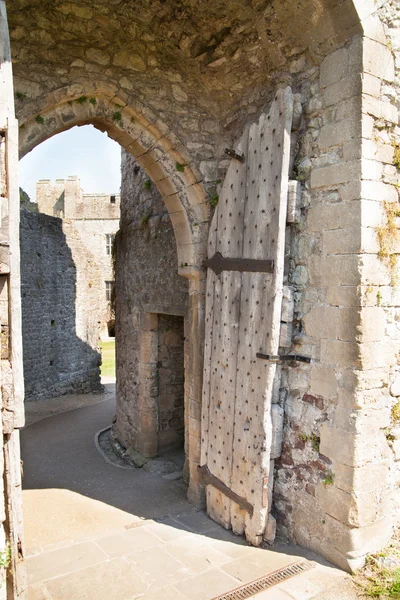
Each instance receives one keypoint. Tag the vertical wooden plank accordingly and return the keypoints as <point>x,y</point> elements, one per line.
<point>260,314</point>
<point>243,317</point>
<point>208,335</point>
<point>246,406</point>
<point>225,337</point>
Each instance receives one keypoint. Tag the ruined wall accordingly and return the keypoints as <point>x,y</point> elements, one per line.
<point>60,354</point>
<point>385,291</point>
<point>92,235</point>
<point>181,98</point>
<point>147,285</point>
<point>95,217</point>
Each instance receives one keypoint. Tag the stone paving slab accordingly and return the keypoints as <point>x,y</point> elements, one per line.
<point>156,561</point>
<point>64,560</point>
<point>96,532</point>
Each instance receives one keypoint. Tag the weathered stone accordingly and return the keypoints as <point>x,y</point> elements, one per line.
<point>64,290</point>
<point>129,61</point>
<point>395,386</point>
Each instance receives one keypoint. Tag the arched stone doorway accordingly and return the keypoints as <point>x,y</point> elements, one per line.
<point>335,56</point>
<point>188,208</point>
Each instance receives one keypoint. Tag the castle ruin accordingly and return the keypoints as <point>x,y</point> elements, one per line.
<point>271,132</point>
<point>67,282</point>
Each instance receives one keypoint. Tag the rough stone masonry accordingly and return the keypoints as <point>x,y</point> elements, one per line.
<point>180,86</point>
<point>66,284</point>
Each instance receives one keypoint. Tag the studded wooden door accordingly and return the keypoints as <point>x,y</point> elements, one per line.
<point>242,318</point>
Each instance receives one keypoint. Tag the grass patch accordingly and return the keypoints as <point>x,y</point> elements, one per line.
<point>380,578</point>
<point>396,412</point>
<point>214,200</point>
<point>108,358</point>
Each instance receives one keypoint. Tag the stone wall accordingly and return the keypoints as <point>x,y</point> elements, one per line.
<point>60,354</point>
<point>66,199</point>
<point>95,218</point>
<point>149,340</point>
<point>386,298</point>
<point>175,101</point>
<point>171,421</point>
<point>335,488</point>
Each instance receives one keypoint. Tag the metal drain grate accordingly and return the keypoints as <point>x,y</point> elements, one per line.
<point>263,583</point>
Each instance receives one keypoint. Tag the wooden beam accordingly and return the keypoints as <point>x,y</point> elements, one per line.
<point>210,479</point>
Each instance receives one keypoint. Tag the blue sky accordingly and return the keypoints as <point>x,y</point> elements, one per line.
<point>82,151</point>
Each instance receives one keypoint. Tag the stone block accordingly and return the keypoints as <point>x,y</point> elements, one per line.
<point>287,304</point>
<point>371,169</point>
<point>321,322</point>
<point>341,241</point>
<point>334,67</point>
<point>378,354</point>
<point>285,335</point>
<point>323,381</point>
<point>373,29</point>
<point>346,88</point>
<point>372,213</point>
<point>340,353</point>
<point>335,174</point>
<point>270,530</point>
<point>356,511</point>
<point>354,479</point>
<point>349,324</point>
<point>371,85</point>
<point>350,191</point>
<point>341,270</point>
<point>378,191</point>
<point>378,60</point>
<point>349,449</point>
<point>374,271</point>
<point>277,415</point>
<point>359,541</point>
<point>373,323</point>
<point>379,109</point>
<point>323,216</point>
<point>339,132</point>
<point>364,421</point>
<point>294,202</point>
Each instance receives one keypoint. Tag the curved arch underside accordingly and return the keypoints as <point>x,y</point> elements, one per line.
<point>152,145</point>
<point>197,66</point>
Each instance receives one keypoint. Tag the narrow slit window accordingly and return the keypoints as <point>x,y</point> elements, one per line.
<point>109,243</point>
<point>109,290</point>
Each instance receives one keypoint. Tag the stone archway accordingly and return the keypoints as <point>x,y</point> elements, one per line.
<point>158,151</point>
<point>222,67</point>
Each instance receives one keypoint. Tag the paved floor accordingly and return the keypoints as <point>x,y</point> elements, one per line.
<point>95,531</point>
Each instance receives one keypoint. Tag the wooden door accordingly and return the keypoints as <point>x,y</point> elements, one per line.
<point>242,318</point>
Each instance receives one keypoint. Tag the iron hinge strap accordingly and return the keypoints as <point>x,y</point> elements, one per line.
<point>284,357</point>
<point>244,265</point>
<point>210,479</point>
<point>234,154</point>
